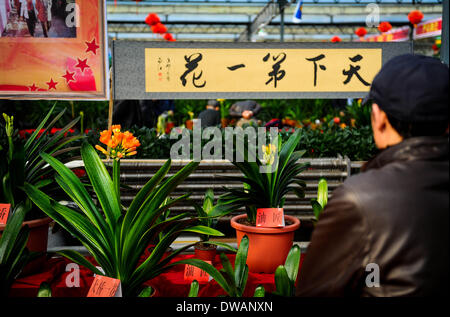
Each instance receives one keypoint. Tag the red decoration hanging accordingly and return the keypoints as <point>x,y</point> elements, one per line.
<point>384,27</point>
<point>361,32</point>
<point>336,39</point>
<point>159,28</point>
<point>152,19</point>
<point>168,37</point>
<point>415,17</point>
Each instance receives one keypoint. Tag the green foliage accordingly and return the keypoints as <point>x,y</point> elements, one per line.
<point>95,113</point>
<point>209,213</point>
<point>355,143</point>
<point>44,290</point>
<point>322,199</point>
<point>116,237</point>
<point>13,252</point>
<point>361,114</point>
<point>146,292</point>
<point>286,275</point>
<point>23,163</point>
<point>232,280</point>
<point>296,109</point>
<point>267,188</point>
<point>195,287</point>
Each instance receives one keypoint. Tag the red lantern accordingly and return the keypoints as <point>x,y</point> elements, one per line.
<point>159,28</point>
<point>152,19</point>
<point>335,39</point>
<point>168,37</point>
<point>384,27</point>
<point>415,17</point>
<point>361,32</point>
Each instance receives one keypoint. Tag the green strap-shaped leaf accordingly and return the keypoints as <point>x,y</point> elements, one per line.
<point>322,192</point>
<point>39,127</point>
<point>259,291</point>
<point>228,270</point>
<point>102,184</point>
<point>292,262</point>
<point>211,270</point>
<point>204,230</point>
<point>19,255</point>
<point>70,221</point>
<point>317,208</point>
<point>193,291</point>
<point>223,245</point>
<point>80,259</point>
<point>146,292</point>
<point>72,185</point>
<point>44,290</point>
<point>240,261</point>
<point>142,195</point>
<point>282,282</point>
<point>11,231</point>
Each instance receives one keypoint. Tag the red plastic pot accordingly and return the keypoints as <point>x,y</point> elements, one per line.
<point>268,247</point>
<point>205,252</point>
<point>37,242</point>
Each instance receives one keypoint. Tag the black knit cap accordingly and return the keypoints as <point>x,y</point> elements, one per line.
<point>412,88</point>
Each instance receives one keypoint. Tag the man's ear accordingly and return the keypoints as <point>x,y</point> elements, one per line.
<point>379,118</point>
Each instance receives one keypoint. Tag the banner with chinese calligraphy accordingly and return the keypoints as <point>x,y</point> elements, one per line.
<point>248,70</point>
<point>53,49</point>
<point>429,28</point>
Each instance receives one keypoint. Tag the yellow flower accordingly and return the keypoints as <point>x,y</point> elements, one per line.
<point>269,153</point>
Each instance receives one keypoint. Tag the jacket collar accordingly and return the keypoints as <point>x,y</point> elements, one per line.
<point>417,148</point>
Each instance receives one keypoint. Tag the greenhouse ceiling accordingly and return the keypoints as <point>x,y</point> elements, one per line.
<point>231,20</point>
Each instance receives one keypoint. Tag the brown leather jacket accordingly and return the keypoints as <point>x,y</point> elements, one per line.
<point>394,214</point>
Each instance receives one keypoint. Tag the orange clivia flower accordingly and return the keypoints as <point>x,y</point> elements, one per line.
<point>121,143</point>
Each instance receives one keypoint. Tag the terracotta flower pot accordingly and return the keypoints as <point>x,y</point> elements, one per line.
<point>268,247</point>
<point>205,252</point>
<point>37,242</point>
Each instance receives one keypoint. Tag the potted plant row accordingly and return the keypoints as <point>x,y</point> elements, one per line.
<point>267,188</point>
<point>23,164</point>
<point>116,236</point>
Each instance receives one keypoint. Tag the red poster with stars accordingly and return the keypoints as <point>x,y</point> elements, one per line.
<point>53,49</point>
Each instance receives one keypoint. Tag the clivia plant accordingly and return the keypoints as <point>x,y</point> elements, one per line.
<point>268,189</point>
<point>114,235</point>
<point>232,280</point>
<point>21,163</point>
<point>13,252</point>
<point>266,185</point>
<point>208,215</point>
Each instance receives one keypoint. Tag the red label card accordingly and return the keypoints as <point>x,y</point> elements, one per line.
<point>4,212</point>
<point>194,273</point>
<point>270,217</point>
<point>104,286</point>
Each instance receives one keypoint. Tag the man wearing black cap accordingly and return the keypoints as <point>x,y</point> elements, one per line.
<point>385,231</point>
